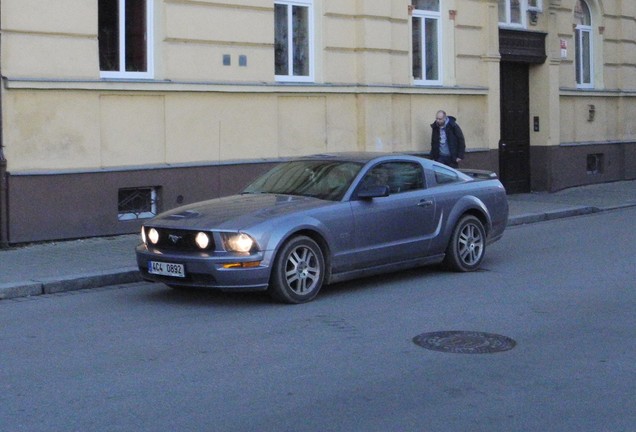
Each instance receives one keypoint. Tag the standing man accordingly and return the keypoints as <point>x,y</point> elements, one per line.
<point>447,141</point>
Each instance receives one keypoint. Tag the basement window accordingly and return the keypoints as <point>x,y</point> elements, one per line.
<point>595,164</point>
<point>137,203</point>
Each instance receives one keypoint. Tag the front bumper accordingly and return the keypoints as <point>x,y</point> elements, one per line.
<point>206,270</point>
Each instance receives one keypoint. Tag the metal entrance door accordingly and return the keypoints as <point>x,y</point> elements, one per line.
<point>514,144</point>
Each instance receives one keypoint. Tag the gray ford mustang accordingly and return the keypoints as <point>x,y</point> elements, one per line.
<point>327,218</point>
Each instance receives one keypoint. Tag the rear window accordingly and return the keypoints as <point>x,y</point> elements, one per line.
<point>445,175</point>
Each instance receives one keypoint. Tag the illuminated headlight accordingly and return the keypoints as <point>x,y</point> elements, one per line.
<point>143,235</point>
<point>202,240</point>
<point>238,242</point>
<point>153,236</point>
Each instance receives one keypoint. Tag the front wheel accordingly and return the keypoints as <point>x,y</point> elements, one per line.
<point>467,245</point>
<point>298,271</point>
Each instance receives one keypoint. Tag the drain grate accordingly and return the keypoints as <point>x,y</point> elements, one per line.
<point>464,342</point>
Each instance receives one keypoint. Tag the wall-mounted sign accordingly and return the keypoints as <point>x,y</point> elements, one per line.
<point>564,49</point>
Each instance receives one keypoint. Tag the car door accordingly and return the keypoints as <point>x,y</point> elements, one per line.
<point>396,227</point>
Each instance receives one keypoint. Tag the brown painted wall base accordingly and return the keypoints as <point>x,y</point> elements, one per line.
<point>77,205</point>
<point>570,165</point>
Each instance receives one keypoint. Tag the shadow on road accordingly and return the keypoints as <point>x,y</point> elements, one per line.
<point>208,297</point>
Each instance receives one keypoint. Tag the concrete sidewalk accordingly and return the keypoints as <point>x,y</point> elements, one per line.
<point>73,265</point>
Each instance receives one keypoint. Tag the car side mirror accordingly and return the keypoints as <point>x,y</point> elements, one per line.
<point>373,192</point>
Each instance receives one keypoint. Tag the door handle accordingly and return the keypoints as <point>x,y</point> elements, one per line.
<point>425,203</point>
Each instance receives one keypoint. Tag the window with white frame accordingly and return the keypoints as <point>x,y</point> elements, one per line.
<point>535,5</point>
<point>512,13</point>
<point>293,44</point>
<point>125,38</point>
<point>426,42</point>
<point>583,45</point>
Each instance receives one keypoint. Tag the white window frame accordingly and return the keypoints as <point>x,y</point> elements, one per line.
<point>580,30</point>
<point>580,66</point>
<point>537,7</point>
<point>122,73</point>
<point>524,18</point>
<point>290,77</point>
<point>423,15</point>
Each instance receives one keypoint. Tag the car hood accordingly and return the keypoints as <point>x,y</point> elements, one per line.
<point>235,212</point>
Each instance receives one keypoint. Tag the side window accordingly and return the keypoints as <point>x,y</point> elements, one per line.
<point>398,176</point>
<point>125,38</point>
<point>426,42</point>
<point>293,40</point>
<point>444,175</point>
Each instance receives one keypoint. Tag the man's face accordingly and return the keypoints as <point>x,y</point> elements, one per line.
<point>440,119</point>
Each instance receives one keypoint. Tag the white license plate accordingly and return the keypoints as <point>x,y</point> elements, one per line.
<point>166,269</point>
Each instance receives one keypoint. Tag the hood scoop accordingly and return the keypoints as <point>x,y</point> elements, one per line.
<point>187,214</point>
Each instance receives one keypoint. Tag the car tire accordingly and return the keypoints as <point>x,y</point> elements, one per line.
<point>467,245</point>
<point>298,272</point>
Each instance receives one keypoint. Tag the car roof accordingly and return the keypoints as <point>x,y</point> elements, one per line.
<point>372,157</point>
<point>362,157</point>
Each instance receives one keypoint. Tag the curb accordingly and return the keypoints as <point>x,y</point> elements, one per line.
<point>551,215</point>
<point>562,214</point>
<point>69,283</point>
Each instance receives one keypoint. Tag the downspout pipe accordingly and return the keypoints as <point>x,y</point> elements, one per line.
<point>4,204</point>
<point>4,223</point>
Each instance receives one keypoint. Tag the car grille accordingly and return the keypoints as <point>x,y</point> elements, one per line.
<point>180,240</point>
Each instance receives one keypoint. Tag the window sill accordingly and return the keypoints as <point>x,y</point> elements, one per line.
<point>506,26</point>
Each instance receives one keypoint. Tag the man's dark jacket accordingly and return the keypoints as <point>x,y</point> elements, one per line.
<point>454,139</point>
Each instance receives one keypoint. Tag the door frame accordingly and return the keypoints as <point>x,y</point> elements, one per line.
<point>514,142</point>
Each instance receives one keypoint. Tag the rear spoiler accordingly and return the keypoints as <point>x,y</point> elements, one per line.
<point>479,174</point>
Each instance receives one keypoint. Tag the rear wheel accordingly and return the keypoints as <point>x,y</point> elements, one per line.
<point>298,271</point>
<point>467,245</point>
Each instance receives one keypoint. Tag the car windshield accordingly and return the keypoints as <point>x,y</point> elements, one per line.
<point>328,180</point>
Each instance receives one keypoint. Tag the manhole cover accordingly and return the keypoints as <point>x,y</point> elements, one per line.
<point>464,342</point>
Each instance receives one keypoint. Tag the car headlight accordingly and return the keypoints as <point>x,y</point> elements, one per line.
<point>143,235</point>
<point>202,240</point>
<point>153,236</point>
<point>239,242</point>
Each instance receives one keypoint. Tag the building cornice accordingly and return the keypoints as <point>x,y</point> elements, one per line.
<point>167,86</point>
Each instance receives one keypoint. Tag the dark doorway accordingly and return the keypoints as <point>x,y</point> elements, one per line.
<point>514,144</point>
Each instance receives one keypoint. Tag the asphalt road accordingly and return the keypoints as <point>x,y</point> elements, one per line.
<point>145,358</point>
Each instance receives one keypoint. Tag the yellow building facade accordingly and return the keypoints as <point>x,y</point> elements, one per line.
<point>113,110</point>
